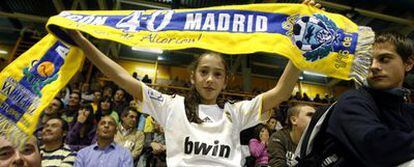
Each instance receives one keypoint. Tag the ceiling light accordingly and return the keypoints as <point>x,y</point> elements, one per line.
<point>157,51</point>
<point>3,52</point>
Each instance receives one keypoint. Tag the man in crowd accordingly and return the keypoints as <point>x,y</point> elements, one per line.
<point>127,135</point>
<point>27,156</point>
<point>52,111</point>
<point>119,101</point>
<point>371,126</point>
<point>105,152</point>
<point>73,107</point>
<point>54,152</point>
<point>154,148</point>
<point>282,144</point>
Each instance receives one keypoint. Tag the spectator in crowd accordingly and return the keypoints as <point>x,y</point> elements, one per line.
<point>105,152</point>
<point>105,108</point>
<point>297,96</point>
<point>154,152</point>
<point>53,151</point>
<point>107,92</point>
<point>317,99</point>
<point>86,94</point>
<point>63,95</point>
<point>53,110</point>
<point>69,114</point>
<point>135,75</point>
<point>282,144</point>
<point>328,99</point>
<point>97,97</point>
<point>146,79</point>
<point>27,156</point>
<point>133,104</point>
<point>82,131</point>
<point>119,103</point>
<point>258,145</point>
<point>273,124</point>
<point>370,126</point>
<point>306,97</point>
<point>127,134</point>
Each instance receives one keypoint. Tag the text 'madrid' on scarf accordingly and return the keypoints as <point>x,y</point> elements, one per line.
<point>313,39</point>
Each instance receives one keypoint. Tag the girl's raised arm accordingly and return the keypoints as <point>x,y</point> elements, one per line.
<point>283,89</point>
<point>107,66</point>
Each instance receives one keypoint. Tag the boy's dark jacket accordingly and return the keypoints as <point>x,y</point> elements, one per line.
<point>373,128</point>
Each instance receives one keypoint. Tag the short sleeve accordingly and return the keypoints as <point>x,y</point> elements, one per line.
<point>249,112</point>
<point>155,104</point>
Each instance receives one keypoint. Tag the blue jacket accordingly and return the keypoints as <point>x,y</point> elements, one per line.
<point>373,128</point>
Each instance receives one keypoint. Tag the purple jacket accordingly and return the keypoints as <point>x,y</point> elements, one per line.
<point>259,151</point>
<point>74,140</point>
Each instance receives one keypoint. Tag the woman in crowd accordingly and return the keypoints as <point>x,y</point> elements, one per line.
<point>82,131</point>
<point>105,108</point>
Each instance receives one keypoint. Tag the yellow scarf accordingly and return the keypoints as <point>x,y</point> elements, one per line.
<point>313,39</point>
<point>30,82</point>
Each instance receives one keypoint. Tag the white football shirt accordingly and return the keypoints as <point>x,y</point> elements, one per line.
<point>215,143</point>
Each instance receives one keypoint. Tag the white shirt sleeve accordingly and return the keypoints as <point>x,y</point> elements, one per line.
<point>249,112</point>
<point>155,104</point>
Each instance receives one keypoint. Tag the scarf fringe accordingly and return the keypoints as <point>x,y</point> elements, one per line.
<point>363,55</point>
<point>12,133</point>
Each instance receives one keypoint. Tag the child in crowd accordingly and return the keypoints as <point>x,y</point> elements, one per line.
<point>200,128</point>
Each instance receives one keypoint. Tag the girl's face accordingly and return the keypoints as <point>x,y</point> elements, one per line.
<point>209,78</point>
<point>264,135</point>
<point>105,105</point>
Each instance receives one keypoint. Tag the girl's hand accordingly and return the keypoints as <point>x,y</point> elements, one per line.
<point>76,36</point>
<point>313,3</point>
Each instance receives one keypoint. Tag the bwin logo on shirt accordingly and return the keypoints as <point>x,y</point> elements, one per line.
<point>200,148</point>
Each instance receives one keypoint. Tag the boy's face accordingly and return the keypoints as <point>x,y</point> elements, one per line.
<point>388,69</point>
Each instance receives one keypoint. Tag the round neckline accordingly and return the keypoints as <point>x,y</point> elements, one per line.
<point>205,124</point>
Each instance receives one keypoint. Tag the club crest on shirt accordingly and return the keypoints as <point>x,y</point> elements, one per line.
<point>155,95</point>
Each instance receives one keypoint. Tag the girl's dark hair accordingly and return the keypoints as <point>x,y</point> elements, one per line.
<point>90,121</point>
<point>193,99</point>
<point>259,128</point>
<point>99,112</point>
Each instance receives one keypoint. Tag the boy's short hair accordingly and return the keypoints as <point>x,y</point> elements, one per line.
<point>403,45</point>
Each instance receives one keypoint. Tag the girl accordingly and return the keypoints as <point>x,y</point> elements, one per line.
<point>199,131</point>
<point>82,130</point>
<point>258,145</point>
<point>105,108</point>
